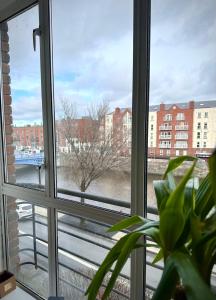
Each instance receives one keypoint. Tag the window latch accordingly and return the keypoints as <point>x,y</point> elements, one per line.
<point>36,32</point>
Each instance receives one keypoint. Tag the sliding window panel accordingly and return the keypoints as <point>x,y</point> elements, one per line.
<point>21,90</point>
<point>82,246</point>
<point>182,108</point>
<point>92,59</point>
<point>27,239</point>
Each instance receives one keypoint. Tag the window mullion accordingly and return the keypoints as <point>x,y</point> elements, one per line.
<point>49,141</point>
<point>140,135</point>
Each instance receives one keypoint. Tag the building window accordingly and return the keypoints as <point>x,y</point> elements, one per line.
<point>168,152</point>
<point>199,125</point>
<point>161,152</point>
<point>205,125</point>
<point>198,144</point>
<point>180,117</point>
<point>168,117</point>
<point>206,114</point>
<point>205,135</point>
<point>199,115</point>
<point>204,144</point>
<point>152,118</point>
<point>152,127</point>
<point>198,135</point>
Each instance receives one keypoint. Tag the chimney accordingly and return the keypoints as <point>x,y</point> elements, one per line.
<point>191,104</point>
<point>162,106</point>
<point>117,110</point>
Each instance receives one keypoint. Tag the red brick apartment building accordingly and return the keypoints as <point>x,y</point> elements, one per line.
<point>174,129</point>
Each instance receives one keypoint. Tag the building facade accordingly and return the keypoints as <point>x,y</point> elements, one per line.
<point>174,130</point>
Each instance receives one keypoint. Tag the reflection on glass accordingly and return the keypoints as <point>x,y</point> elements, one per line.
<point>28,244</point>
<point>22,101</point>
<point>92,83</point>
<point>82,246</point>
<point>182,89</point>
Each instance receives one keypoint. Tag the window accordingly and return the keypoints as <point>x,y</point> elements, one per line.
<point>180,117</point>
<point>198,144</point>
<point>205,135</point>
<point>73,95</point>
<point>199,115</point>
<point>199,125</point>
<point>198,135</point>
<point>204,144</point>
<point>205,125</point>
<point>206,114</point>
<point>168,117</point>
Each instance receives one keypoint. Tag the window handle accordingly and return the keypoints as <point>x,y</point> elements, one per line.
<point>36,32</point>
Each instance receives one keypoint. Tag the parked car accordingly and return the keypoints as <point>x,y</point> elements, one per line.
<point>24,210</point>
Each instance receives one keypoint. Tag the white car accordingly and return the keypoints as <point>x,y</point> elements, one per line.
<point>24,210</point>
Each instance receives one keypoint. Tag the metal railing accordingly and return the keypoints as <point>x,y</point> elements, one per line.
<point>37,253</point>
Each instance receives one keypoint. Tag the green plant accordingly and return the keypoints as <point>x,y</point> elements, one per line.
<point>185,236</point>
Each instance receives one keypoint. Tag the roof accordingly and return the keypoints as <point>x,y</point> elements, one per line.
<point>197,104</point>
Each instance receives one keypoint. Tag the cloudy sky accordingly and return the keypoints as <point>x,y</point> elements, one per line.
<point>92,54</point>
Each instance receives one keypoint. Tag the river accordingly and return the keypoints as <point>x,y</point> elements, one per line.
<point>114,184</point>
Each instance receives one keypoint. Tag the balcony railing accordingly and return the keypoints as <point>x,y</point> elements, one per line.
<point>165,127</point>
<point>165,146</point>
<point>71,229</point>
<point>165,137</point>
<point>181,137</point>
<point>181,127</point>
<point>181,146</point>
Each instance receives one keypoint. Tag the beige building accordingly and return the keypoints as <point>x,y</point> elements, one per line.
<point>204,129</point>
<point>152,127</point>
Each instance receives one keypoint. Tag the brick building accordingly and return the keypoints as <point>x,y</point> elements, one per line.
<point>181,129</point>
<point>28,136</point>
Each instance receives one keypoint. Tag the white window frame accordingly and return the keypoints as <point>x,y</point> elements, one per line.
<point>140,107</point>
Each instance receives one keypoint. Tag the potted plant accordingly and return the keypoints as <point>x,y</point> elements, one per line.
<point>185,236</point>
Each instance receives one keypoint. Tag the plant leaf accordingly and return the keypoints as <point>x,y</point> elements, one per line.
<point>212,172</point>
<point>105,267</point>
<point>127,223</point>
<point>125,253</point>
<point>161,193</point>
<point>194,285</point>
<point>158,256</point>
<point>167,283</point>
<point>176,162</point>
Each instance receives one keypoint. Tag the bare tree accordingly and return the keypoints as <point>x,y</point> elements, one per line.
<point>92,149</point>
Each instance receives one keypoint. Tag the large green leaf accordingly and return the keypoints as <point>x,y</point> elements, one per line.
<point>124,255</point>
<point>212,172</point>
<point>194,285</point>
<point>204,200</point>
<point>167,283</point>
<point>127,223</point>
<point>161,193</point>
<point>105,267</point>
<point>172,224</point>
<point>158,256</point>
<point>176,162</point>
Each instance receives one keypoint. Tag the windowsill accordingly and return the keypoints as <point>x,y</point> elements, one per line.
<point>18,294</point>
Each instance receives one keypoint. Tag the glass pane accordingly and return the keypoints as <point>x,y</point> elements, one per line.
<point>82,246</point>
<point>93,83</point>
<point>28,244</point>
<point>22,101</point>
<point>182,89</point>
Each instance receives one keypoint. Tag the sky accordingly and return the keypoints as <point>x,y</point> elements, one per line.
<point>92,55</point>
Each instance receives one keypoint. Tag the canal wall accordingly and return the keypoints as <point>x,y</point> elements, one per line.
<point>155,166</point>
